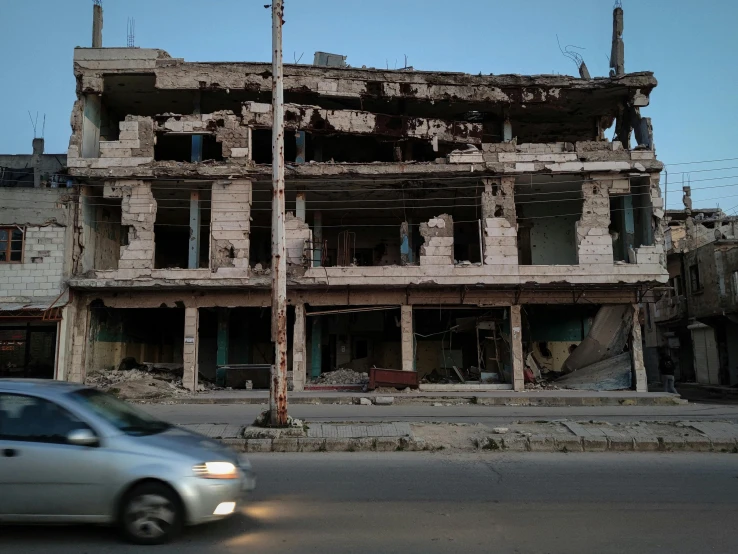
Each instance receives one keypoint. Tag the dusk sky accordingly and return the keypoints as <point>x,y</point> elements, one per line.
<point>690,46</point>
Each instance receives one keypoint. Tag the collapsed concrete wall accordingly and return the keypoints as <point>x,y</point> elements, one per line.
<point>138,213</point>
<point>227,127</point>
<point>230,224</point>
<point>607,337</point>
<point>438,236</point>
<point>317,119</point>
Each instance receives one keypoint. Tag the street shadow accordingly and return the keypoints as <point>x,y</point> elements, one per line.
<point>96,538</point>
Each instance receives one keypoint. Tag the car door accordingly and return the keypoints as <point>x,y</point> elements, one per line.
<point>42,476</point>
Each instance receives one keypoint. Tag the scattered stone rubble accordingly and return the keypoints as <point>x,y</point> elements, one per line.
<point>342,377</point>
<point>135,381</point>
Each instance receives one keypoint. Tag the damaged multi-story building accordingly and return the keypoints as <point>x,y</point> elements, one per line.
<point>696,317</point>
<point>459,226</point>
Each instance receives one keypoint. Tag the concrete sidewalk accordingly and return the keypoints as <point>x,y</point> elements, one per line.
<point>554,436</point>
<point>487,398</point>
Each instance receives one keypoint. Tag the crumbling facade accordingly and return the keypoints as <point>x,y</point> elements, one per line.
<point>695,316</point>
<point>466,227</point>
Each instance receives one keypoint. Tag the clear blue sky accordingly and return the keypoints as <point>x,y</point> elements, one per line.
<point>690,46</point>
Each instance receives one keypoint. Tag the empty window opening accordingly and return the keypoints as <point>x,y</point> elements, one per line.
<point>172,234</point>
<point>631,221</point>
<point>353,340</point>
<point>178,148</point>
<point>467,247</point>
<point>463,344</point>
<point>694,278</point>
<point>234,346</point>
<point>136,335</point>
<point>548,211</point>
<point>107,234</point>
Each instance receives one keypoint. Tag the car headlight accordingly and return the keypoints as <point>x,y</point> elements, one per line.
<point>216,470</point>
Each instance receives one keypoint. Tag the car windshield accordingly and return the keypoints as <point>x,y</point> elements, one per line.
<point>122,415</point>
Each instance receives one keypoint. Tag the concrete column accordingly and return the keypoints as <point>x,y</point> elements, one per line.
<point>190,349</point>
<point>300,142</point>
<point>516,335</point>
<point>196,154</point>
<point>408,339</point>
<point>222,352</point>
<point>193,261</point>
<point>317,238</point>
<point>38,150</point>
<point>298,349</point>
<point>639,368</point>
<point>507,131</point>
<point>317,346</point>
<point>91,126</point>
<point>97,25</point>
<point>300,206</point>
<point>79,314</point>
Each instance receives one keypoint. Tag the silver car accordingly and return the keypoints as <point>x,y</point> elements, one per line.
<point>72,454</point>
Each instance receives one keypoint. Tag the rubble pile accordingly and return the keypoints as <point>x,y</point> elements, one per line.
<point>342,377</point>
<point>143,381</point>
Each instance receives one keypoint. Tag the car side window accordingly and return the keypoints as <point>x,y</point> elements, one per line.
<point>32,419</point>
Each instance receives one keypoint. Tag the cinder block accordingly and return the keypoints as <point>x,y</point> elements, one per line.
<point>435,260</point>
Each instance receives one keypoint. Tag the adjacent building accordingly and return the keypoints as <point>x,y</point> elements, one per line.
<point>36,230</point>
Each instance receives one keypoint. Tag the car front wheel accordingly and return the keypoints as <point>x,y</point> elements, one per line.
<point>151,513</point>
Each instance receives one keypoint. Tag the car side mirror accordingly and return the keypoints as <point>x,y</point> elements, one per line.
<point>82,437</point>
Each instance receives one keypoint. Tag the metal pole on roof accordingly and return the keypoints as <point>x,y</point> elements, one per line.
<point>278,381</point>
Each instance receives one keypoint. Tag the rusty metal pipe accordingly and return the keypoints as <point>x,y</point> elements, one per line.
<point>278,381</point>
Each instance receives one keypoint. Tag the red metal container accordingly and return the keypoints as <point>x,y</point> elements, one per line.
<point>392,378</point>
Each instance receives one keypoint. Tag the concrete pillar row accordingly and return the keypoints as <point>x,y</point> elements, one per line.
<point>299,349</point>
<point>408,338</point>
<point>516,334</point>
<point>639,368</point>
<point>190,348</point>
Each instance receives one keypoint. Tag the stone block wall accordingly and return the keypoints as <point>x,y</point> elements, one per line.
<point>230,224</point>
<point>298,238</point>
<point>138,212</point>
<point>500,222</point>
<point>594,243</point>
<point>438,248</point>
<point>40,275</point>
<point>190,349</point>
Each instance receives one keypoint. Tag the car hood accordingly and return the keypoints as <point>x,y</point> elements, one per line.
<point>182,441</point>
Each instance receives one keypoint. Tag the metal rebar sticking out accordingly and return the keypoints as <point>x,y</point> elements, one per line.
<point>278,381</point>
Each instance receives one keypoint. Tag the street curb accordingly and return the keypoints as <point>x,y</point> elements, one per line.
<point>508,400</point>
<point>549,443</point>
<point>496,443</point>
<point>306,444</point>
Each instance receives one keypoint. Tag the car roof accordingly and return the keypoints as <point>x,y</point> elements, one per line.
<point>43,386</point>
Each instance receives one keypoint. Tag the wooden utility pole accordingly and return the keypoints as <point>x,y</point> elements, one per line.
<point>278,381</point>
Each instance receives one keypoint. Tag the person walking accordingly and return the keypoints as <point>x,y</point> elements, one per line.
<point>666,368</point>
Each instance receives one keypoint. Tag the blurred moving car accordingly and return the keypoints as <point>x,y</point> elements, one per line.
<point>73,454</point>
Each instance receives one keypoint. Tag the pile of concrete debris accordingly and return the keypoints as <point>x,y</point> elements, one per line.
<point>134,381</point>
<point>342,377</point>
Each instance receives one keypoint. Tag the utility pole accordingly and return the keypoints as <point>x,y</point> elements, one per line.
<point>278,381</point>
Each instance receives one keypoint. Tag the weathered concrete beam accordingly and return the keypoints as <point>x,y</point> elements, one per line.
<point>176,74</point>
<point>318,120</point>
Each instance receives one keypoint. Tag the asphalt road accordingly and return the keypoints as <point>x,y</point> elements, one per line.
<point>462,413</point>
<point>427,503</point>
